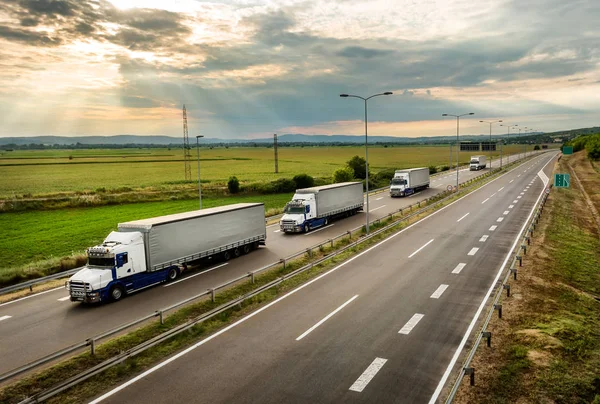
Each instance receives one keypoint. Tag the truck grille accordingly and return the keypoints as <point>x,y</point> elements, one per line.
<point>288,224</point>
<point>77,288</point>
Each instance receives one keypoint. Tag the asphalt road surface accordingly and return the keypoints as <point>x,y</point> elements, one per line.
<point>382,327</point>
<point>41,324</point>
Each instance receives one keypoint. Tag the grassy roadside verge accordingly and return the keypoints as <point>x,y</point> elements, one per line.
<point>546,348</point>
<point>49,377</point>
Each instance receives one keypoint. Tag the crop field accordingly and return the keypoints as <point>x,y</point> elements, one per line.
<point>31,173</point>
<point>38,235</point>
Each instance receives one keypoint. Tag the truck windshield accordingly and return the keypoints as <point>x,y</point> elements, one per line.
<point>294,209</point>
<point>398,181</point>
<point>474,161</point>
<point>101,262</point>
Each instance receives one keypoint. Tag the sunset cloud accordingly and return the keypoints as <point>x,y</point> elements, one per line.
<point>243,67</point>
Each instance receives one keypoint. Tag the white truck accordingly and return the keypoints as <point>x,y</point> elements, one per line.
<point>407,182</point>
<point>143,253</point>
<point>314,207</point>
<point>477,163</point>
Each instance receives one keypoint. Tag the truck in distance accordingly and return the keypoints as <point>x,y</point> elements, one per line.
<point>477,163</point>
<point>143,253</point>
<point>407,182</point>
<point>314,207</point>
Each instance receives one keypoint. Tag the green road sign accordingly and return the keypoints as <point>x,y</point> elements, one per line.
<point>562,180</point>
<point>567,150</point>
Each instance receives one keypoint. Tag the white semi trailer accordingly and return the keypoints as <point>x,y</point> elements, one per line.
<point>143,253</point>
<point>314,207</point>
<point>407,182</point>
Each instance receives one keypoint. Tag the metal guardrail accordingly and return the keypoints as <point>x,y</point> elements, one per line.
<point>31,283</point>
<point>92,342</point>
<point>504,285</point>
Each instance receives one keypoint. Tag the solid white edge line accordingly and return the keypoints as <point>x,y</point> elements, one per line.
<point>37,294</point>
<point>5,318</point>
<point>411,323</point>
<point>425,245</point>
<point>199,273</point>
<point>319,229</point>
<point>260,310</point>
<point>467,214</point>
<point>446,374</point>
<point>439,291</point>
<point>366,376</point>
<point>327,317</point>
<point>459,268</point>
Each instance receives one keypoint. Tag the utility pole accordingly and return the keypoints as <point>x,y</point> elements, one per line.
<point>186,148</point>
<point>276,156</point>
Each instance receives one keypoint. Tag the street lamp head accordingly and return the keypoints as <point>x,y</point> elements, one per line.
<point>444,114</point>
<point>500,120</point>
<point>471,113</point>
<point>388,93</point>
<point>197,136</point>
<point>343,95</point>
<point>483,121</point>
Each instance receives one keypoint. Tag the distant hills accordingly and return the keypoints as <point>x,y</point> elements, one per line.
<point>124,140</point>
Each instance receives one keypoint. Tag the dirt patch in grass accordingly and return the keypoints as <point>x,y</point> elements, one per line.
<point>546,347</point>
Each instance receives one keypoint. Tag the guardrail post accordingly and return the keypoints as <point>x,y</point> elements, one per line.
<point>514,272</point>
<point>520,260</point>
<point>349,235</point>
<point>528,240</point>
<point>31,288</point>
<point>506,286</point>
<point>212,294</point>
<point>283,262</point>
<point>159,313</point>
<point>471,373</point>
<point>531,232</point>
<point>92,346</point>
<point>488,336</point>
<point>251,275</point>
<point>524,248</point>
<point>309,252</point>
<point>331,243</point>
<point>499,308</point>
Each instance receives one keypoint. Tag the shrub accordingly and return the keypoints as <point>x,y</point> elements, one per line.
<point>233,185</point>
<point>304,181</point>
<point>357,164</point>
<point>592,147</point>
<point>444,168</point>
<point>536,147</point>
<point>432,170</point>
<point>282,185</point>
<point>343,175</point>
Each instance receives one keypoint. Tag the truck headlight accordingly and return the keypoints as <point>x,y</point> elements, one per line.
<point>67,285</point>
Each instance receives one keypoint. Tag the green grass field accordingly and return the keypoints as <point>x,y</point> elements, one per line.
<point>38,235</point>
<point>43,172</point>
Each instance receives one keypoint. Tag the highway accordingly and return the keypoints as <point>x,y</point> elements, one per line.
<point>382,327</point>
<point>41,324</point>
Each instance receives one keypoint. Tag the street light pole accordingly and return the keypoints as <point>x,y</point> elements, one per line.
<point>199,183</point>
<point>366,146</point>
<point>457,142</point>
<point>490,150</point>
<point>508,139</point>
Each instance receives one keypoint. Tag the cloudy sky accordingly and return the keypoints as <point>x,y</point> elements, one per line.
<point>250,68</point>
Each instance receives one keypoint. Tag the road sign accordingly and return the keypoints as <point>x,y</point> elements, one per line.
<point>567,150</point>
<point>562,180</point>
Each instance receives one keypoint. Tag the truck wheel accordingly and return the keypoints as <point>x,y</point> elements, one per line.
<point>172,274</point>
<point>226,255</point>
<point>116,293</point>
<point>237,252</point>
<point>246,249</point>
<point>306,228</point>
